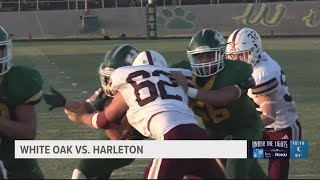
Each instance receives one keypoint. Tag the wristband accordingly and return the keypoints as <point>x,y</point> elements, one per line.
<point>89,101</point>
<point>94,120</point>
<point>192,92</point>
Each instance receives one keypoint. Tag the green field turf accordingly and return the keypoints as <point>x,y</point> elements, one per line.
<point>71,68</point>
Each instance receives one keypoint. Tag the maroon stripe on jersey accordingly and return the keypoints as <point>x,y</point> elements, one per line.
<point>189,77</point>
<point>265,87</point>
<point>300,129</point>
<point>190,85</point>
<point>189,81</point>
<point>265,90</point>
<point>265,83</point>
<point>234,39</point>
<point>149,57</point>
<point>102,121</point>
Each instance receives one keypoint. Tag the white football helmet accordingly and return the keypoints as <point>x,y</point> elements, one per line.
<point>5,51</point>
<point>244,43</point>
<point>150,57</point>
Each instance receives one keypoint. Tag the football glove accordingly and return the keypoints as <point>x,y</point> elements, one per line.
<point>55,100</point>
<point>100,101</point>
<point>247,84</point>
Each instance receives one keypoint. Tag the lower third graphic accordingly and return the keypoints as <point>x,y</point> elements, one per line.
<point>299,149</point>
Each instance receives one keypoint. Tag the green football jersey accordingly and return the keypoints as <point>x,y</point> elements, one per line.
<point>21,85</point>
<point>239,114</point>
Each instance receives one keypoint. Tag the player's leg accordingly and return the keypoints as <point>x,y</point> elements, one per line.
<point>160,168</point>
<point>165,169</point>
<point>23,169</point>
<point>238,168</point>
<point>177,168</point>
<point>279,168</point>
<point>206,169</point>
<point>246,168</point>
<point>256,171</point>
<point>98,168</point>
<point>3,171</point>
<point>102,168</point>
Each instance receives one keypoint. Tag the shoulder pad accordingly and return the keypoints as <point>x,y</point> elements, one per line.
<point>238,69</point>
<point>118,76</point>
<point>266,82</point>
<point>186,72</point>
<point>25,84</point>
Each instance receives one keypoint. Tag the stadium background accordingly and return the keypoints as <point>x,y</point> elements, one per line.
<point>70,66</point>
<point>285,18</point>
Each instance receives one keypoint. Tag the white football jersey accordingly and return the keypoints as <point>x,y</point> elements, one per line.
<point>269,78</point>
<point>148,91</point>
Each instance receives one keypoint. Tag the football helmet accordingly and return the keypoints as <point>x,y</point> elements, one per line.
<point>244,44</point>
<point>150,57</point>
<point>206,52</point>
<point>119,56</point>
<point>5,51</point>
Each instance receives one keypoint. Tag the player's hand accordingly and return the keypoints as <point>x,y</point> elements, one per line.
<point>73,116</point>
<point>178,78</point>
<point>76,106</point>
<point>247,84</point>
<point>97,94</point>
<point>75,109</point>
<point>98,100</point>
<point>55,100</point>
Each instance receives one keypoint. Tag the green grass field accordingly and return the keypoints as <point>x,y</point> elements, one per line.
<point>71,67</point>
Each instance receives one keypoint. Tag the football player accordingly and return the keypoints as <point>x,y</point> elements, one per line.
<point>20,91</point>
<point>158,109</point>
<point>237,120</point>
<point>106,84</point>
<point>274,103</point>
<point>122,55</point>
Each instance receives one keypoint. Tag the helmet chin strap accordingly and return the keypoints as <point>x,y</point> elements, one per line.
<point>259,57</point>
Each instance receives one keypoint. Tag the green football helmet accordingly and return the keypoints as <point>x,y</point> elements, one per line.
<point>122,55</point>
<point>206,52</point>
<point>5,51</point>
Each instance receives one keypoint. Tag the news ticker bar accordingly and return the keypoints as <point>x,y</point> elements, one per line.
<point>241,149</point>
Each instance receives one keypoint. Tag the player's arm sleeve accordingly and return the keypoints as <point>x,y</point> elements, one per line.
<point>244,70</point>
<point>187,74</point>
<point>220,97</point>
<point>32,88</point>
<point>266,83</point>
<point>267,108</point>
<point>35,99</point>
